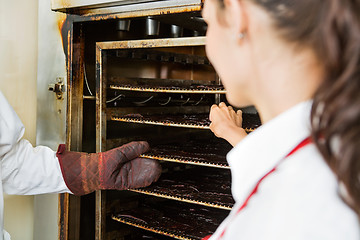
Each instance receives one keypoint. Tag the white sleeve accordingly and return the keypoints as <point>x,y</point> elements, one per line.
<point>29,170</point>
<point>25,169</point>
<point>11,128</point>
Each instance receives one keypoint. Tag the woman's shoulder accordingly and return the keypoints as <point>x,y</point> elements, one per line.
<point>312,191</point>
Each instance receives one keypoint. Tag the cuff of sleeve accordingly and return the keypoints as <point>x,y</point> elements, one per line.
<point>61,150</point>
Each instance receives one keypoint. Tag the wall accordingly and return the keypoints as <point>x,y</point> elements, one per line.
<point>18,76</point>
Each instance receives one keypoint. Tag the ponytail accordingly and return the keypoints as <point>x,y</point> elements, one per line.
<point>335,114</point>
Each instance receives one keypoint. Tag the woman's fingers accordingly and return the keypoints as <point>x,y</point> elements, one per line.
<point>239,118</point>
<point>213,111</point>
<point>225,112</point>
<point>226,123</point>
<point>222,105</point>
<point>222,114</point>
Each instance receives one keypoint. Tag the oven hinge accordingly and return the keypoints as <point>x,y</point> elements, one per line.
<point>58,88</point>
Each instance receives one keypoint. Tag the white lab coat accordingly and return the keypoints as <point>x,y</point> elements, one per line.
<point>299,201</point>
<point>25,170</point>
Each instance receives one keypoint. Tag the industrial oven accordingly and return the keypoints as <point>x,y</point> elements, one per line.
<point>137,70</point>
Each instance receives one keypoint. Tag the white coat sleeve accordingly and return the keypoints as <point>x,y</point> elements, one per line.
<point>25,169</point>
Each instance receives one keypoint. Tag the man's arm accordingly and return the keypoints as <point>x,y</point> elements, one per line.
<point>27,170</point>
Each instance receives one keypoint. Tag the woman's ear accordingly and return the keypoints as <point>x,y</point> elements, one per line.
<point>236,17</point>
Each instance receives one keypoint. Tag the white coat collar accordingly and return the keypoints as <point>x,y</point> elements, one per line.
<point>262,149</point>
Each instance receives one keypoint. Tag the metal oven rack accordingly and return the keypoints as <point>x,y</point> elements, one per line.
<point>215,206</point>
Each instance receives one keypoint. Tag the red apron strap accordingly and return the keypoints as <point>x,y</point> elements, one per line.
<point>302,144</point>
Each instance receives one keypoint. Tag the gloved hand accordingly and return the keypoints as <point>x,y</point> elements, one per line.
<point>119,168</point>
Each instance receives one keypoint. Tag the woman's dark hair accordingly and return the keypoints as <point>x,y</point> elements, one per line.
<point>331,28</point>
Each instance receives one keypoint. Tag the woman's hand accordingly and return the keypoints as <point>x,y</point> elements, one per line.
<point>226,123</point>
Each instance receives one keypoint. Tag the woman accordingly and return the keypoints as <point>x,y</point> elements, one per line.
<point>26,170</point>
<point>298,63</point>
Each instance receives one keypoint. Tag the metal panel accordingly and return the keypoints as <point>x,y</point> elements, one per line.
<point>63,4</point>
<point>151,43</point>
<point>51,119</point>
<point>51,112</point>
<point>60,5</point>
<point>100,197</point>
<point>94,7</point>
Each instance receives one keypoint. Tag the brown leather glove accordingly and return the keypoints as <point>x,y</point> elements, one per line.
<point>119,168</point>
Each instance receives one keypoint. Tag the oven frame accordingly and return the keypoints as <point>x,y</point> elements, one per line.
<point>73,40</point>
<point>101,86</point>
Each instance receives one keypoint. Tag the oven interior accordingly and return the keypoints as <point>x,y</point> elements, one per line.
<point>160,93</point>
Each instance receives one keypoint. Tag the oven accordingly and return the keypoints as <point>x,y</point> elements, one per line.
<point>137,70</point>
